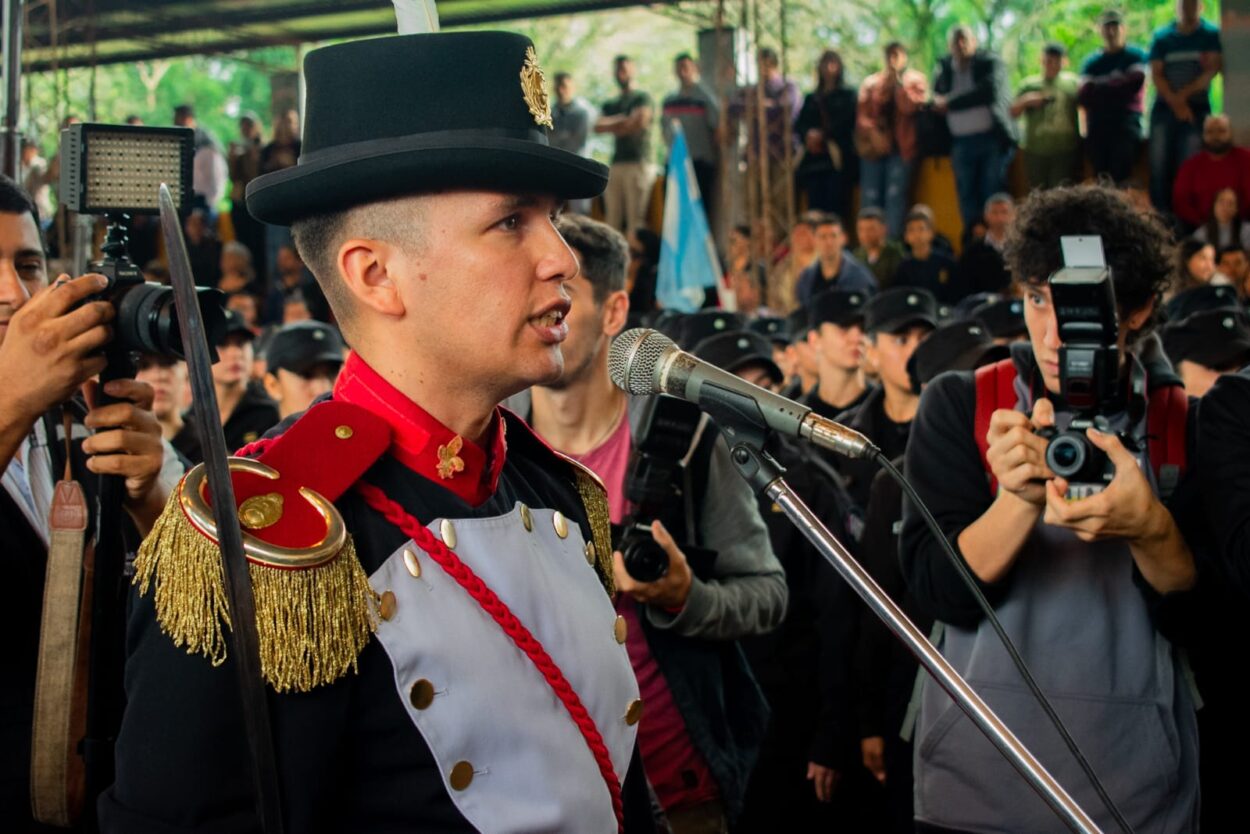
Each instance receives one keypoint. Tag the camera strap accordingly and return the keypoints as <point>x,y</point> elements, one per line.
<point>57,774</point>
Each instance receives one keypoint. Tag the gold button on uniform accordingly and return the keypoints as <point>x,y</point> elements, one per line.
<point>620,629</point>
<point>448,532</point>
<point>387,606</point>
<point>633,712</point>
<point>343,432</point>
<point>411,562</point>
<point>461,776</point>
<point>561,524</point>
<point>526,518</point>
<point>590,553</point>
<point>422,694</point>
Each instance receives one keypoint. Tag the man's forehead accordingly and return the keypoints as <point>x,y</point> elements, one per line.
<point>19,234</point>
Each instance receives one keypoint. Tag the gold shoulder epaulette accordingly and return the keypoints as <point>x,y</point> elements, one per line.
<point>315,610</point>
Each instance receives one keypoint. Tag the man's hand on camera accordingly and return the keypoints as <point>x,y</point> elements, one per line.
<point>127,443</point>
<point>1017,455</point>
<point>670,590</point>
<point>51,345</point>
<point>1126,509</point>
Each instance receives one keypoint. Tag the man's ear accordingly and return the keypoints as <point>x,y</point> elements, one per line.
<point>272,387</point>
<point>615,313</point>
<point>366,267</point>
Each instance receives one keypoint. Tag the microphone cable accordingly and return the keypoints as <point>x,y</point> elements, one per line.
<point>966,575</point>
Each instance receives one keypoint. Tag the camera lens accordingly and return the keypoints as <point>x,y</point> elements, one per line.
<point>644,560</point>
<point>1066,454</point>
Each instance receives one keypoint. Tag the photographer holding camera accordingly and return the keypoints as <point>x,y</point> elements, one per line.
<point>705,716</point>
<point>50,343</point>
<point>1082,585</point>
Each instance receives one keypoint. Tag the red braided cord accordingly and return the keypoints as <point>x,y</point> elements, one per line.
<point>255,449</point>
<point>513,627</point>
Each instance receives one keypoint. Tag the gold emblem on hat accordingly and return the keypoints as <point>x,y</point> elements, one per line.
<point>534,88</point>
<point>449,460</point>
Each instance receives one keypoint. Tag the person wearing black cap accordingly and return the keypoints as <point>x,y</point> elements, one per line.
<point>804,665</point>
<point>1004,318</point>
<point>836,336</point>
<point>802,360</point>
<point>885,671</point>
<point>415,680</point>
<point>928,268</point>
<point>302,360</point>
<point>777,331</point>
<point>1052,137</point>
<point>895,323</point>
<point>698,326</point>
<point>1113,93</point>
<point>246,411</point>
<point>1206,345</point>
<point>1201,299</point>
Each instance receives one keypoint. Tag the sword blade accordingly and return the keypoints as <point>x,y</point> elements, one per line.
<point>245,644</point>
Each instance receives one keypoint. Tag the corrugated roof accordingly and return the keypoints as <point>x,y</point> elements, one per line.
<point>122,31</point>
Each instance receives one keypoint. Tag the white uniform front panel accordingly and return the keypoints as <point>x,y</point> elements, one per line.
<point>492,708</point>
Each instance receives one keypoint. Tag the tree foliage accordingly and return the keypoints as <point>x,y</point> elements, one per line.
<point>222,86</point>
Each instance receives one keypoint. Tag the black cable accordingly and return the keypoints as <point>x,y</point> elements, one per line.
<point>966,575</point>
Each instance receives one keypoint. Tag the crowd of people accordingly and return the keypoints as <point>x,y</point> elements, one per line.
<point>774,699</point>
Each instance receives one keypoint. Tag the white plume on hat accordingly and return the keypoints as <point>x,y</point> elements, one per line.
<point>416,17</point>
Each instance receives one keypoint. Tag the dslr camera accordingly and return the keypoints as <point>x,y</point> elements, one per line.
<point>658,487</point>
<point>1089,375</point>
<point>116,171</point>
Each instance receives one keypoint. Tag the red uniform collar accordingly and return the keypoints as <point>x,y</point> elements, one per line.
<point>422,443</point>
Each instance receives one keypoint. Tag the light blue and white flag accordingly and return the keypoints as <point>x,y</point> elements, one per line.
<point>688,259</point>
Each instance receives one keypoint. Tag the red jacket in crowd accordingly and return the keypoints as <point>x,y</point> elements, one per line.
<point>1202,176</point>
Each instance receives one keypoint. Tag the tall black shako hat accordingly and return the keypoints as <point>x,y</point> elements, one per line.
<point>408,114</point>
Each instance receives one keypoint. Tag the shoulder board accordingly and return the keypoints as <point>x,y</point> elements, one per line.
<point>590,488</point>
<point>314,607</point>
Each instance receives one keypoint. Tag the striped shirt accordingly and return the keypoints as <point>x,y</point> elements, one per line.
<point>1182,56</point>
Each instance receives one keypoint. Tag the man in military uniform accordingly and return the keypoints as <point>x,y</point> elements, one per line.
<point>432,582</point>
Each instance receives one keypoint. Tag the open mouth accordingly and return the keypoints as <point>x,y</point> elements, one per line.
<point>551,318</point>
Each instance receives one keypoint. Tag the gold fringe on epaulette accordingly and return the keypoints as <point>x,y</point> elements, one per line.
<point>312,623</point>
<point>595,500</point>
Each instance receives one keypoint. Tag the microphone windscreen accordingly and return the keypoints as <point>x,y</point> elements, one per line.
<point>633,357</point>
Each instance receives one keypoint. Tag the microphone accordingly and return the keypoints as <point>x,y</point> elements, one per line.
<point>646,362</point>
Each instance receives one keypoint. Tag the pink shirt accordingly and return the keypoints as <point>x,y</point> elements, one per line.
<point>678,774</point>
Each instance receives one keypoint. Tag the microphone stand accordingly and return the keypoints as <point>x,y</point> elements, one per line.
<point>764,475</point>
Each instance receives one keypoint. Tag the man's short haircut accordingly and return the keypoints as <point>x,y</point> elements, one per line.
<point>1138,247</point>
<point>1055,48</point>
<point>683,56</point>
<point>602,252</point>
<point>916,216</point>
<point>767,53</point>
<point>622,59</point>
<point>15,200</point>
<point>1000,197</point>
<point>1230,249</point>
<point>871,213</point>
<point>828,218</point>
<point>399,221</point>
<point>892,47</point>
<point>561,77</point>
<point>743,230</point>
<point>184,111</point>
<point>960,29</point>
